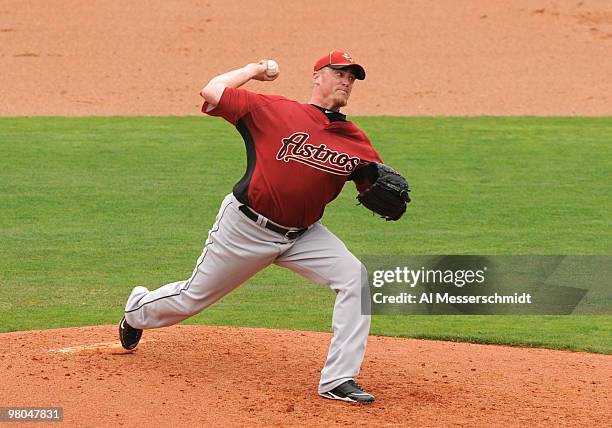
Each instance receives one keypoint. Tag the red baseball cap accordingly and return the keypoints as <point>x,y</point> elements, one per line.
<point>338,60</point>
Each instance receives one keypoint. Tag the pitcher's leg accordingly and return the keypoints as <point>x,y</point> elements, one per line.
<point>232,254</point>
<point>320,256</point>
<point>351,330</point>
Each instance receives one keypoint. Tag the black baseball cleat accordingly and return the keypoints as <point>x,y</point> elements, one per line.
<point>129,335</point>
<point>349,391</point>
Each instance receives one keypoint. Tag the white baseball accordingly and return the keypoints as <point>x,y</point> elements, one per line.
<point>272,68</point>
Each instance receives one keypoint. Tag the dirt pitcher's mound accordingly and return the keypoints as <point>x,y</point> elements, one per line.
<point>197,376</point>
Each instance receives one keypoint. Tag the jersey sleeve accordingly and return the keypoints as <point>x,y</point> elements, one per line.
<point>235,103</point>
<point>365,175</point>
<point>372,155</point>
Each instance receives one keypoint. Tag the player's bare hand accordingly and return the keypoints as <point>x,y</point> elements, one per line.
<point>259,71</point>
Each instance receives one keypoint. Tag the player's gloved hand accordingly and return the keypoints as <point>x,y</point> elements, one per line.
<point>388,195</point>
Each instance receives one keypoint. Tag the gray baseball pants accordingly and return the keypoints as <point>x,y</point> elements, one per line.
<point>236,249</point>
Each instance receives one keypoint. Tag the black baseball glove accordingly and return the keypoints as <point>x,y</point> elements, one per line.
<point>388,194</point>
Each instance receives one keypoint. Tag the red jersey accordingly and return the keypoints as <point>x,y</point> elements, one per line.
<point>297,159</point>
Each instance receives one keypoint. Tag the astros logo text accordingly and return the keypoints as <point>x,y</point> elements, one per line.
<point>295,148</point>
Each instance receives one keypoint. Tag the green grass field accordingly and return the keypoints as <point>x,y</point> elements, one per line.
<point>90,207</point>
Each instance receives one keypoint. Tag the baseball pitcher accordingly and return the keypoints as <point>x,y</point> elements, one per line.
<point>299,156</point>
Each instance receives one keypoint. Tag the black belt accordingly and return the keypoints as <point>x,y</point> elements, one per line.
<point>287,233</point>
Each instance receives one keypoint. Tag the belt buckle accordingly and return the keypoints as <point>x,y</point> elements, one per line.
<point>289,234</point>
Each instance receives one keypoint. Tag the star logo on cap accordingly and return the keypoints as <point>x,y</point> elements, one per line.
<point>347,57</point>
